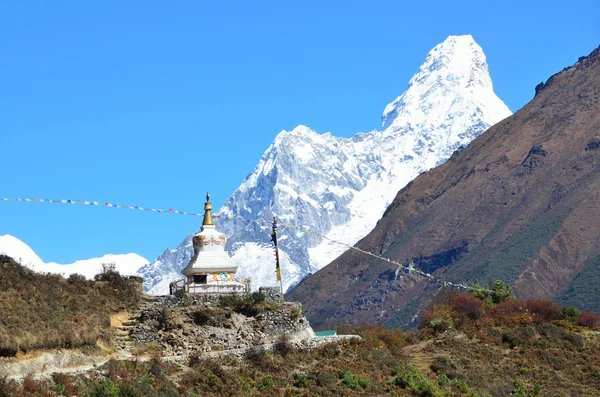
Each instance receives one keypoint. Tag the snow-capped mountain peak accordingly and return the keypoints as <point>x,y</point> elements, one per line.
<point>453,71</point>
<point>126,264</point>
<point>340,187</point>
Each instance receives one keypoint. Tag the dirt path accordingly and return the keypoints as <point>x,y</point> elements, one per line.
<point>44,364</point>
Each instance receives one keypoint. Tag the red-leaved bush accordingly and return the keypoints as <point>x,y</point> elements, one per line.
<point>543,311</point>
<point>508,309</point>
<point>589,320</point>
<point>467,305</point>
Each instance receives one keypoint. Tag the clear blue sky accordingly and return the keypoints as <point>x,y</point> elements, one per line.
<point>153,103</point>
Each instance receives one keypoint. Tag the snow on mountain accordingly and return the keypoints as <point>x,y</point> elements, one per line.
<point>126,264</point>
<point>340,187</point>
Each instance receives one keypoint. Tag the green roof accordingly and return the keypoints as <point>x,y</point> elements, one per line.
<point>329,332</point>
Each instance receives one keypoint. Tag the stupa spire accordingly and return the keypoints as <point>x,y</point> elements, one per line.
<point>208,219</point>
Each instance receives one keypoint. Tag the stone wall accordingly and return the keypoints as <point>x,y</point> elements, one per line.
<point>272,294</point>
<point>189,324</point>
<point>285,320</point>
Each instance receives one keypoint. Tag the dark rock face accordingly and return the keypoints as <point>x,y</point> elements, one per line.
<point>594,144</point>
<point>534,156</point>
<point>521,203</point>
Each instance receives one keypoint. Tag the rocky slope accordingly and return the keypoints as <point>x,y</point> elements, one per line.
<point>340,187</point>
<point>520,203</point>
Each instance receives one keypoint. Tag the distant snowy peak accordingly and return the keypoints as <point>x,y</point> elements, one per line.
<point>339,187</point>
<point>453,71</point>
<point>126,264</point>
<point>19,251</point>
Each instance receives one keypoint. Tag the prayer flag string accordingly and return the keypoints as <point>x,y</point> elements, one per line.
<point>407,267</point>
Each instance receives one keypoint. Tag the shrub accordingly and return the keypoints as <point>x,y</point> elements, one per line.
<point>109,274</point>
<point>441,365</point>
<point>68,385</point>
<point>267,383</point>
<point>571,314</point>
<point>180,294</point>
<point>300,380</point>
<point>543,311</point>
<point>325,379</point>
<point>6,386</point>
<point>105,388</point>
<point>209,316</point>
<point>79,280</point>
<point>521,391</point>
<point>589,320</point>
<point>213,381</point>
<point>376,336</point>
<point>460,384</point>
<point>442,323</point>
<point>257,297</point>
<point>437,317</point>
<point>417,383</point>
<point>348,379</point>
<point>257,355</point>
<point>297,313</point>
<point>467,305</point>
<point>166,319</point>
<point>283,346</point>
<point>505,311</point>
<point>512,339</point>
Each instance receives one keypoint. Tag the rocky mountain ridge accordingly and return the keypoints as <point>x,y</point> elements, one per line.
<point>520,203</point>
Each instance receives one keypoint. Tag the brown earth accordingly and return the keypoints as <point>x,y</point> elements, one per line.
<point>520,203</point>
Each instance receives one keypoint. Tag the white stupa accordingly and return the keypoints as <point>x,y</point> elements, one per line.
<point>211,271</point>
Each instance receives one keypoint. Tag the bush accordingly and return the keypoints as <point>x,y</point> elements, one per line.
<point>79,280</point>
<point>437,317</point>
<point>505,311</point>
<point>441,323</point>
<point>417,383</point>
<point>213,381</point>
<point>166,319</point>
<point>543,311</point>
<point>209,316</point>
<point>283,346</point>
<point>351,381</point>
<point>325,379</point>
<point>300,380</point>
<point>257,297</point>
<point>297,313</point>
<point>441,365</point>
<point>251,306</point>
<point>571,314</point>
<point>467,305</point>
<point>6,389</point>
<point>589,320</point>
<point>257,355</point>
<point>267,383</point>
<point>512,339</point>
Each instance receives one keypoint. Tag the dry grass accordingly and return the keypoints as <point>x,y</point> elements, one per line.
<point>40,311</point>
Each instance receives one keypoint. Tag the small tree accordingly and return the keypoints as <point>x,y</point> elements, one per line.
<point>493,295</point>
<point>109,273</point>
<point>108,267</point>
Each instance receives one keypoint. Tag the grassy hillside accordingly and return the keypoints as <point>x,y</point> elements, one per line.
<point>463,348</point>
<point>49,311</point>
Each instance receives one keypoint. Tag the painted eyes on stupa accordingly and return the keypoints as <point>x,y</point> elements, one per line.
<point>223,276</point>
